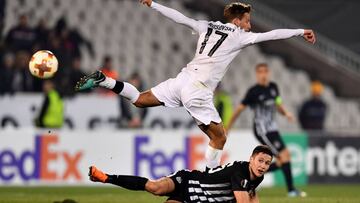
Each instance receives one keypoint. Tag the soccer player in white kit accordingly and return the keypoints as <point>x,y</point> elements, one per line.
<point>219,43</point>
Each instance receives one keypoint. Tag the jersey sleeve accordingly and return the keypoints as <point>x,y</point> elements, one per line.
<point>276,87</point>
<point>176,16</point>
<point>256,183</point>
<point>249,38</point>
<point>278,34</point>
<point>245,38</point>
<point>239,183</point>
<point>249,98</point>
<point>278,98</point>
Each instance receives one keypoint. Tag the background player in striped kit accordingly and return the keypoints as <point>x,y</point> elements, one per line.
<point>264,99</point>
<point>234,182</point>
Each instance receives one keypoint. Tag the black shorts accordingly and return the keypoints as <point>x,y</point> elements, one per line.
<point>180,180</point>
<point>271,139</point>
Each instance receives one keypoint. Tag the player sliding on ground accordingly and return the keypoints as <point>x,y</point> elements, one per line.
<point>264,99</point>
<point>234,182</point>
<point>218,44</point>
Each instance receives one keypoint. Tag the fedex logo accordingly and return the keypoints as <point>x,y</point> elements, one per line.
<point>14,165</point>
<point>161,164</point>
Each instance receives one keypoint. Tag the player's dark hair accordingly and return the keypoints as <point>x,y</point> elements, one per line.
<point>262,149</point>
<point>236,10</point>
<point>261,65</point>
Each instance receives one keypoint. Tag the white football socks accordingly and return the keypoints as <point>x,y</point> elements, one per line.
<point>108,83</point>
<point>213,157</point>
<point>129,91</point>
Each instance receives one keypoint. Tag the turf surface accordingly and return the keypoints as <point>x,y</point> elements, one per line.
<point>316,193</point>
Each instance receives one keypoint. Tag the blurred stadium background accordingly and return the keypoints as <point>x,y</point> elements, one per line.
<point>131,42</point>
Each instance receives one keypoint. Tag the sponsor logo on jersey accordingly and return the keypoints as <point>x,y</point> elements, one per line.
<point>269,102</point>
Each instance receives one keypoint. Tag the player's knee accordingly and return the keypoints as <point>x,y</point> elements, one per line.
<point>285,156</point>
<point>220,140</point>
<point>138,104</point>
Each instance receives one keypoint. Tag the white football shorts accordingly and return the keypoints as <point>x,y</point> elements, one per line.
<point>190,93</point>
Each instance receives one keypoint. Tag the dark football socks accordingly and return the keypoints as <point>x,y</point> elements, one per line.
<point>273,167</point>
<point>286,169</point>
<point>128,182</point>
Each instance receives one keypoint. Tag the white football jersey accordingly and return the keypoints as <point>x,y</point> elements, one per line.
<point>219,44</point>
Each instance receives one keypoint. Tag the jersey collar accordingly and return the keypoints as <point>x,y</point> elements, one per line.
<point>232,25</point>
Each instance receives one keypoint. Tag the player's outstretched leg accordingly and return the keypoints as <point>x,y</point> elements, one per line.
<point>159,187</point>
<point>285,166</point>
<point>127,90</point>
<point>216,133</point>
<point>99,79</point>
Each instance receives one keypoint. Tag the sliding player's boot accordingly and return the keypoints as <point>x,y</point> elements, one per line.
<point>90,81</point>
<point>297,193</point>
<point>96,175</point>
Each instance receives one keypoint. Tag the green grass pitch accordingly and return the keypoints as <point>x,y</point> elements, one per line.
<point>316,194</point>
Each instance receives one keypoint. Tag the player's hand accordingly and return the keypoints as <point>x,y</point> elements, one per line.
<point>290,117</point>
<point>146,2</point>
<point>309,36</point>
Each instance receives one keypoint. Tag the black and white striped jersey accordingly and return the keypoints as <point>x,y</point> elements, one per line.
<point>216,185</point>
<point>263,100</point>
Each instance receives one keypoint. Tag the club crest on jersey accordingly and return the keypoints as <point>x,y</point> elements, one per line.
<point>244,183</point>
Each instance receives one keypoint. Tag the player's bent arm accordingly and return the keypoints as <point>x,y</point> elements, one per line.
<point>244,197</point>
<point>283,111</point>
<point>160,187</point>
<point>234,116</point>
<point>176,16</point>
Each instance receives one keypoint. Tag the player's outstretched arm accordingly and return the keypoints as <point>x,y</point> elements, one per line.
<point>279,34</point>
<point>234,116</point>
<point>173,14</point>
